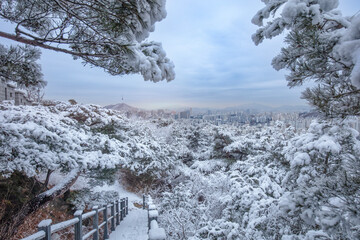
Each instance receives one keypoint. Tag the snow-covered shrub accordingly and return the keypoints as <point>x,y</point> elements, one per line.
<point>192,204</point>
<point>64,136</point>
<point>85,198</point>
<point>322,185</point>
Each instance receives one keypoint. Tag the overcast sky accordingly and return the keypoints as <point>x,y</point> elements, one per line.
<point>216,63</point>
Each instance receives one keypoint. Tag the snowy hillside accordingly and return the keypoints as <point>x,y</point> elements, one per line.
<point>122,107</point>
<point>211,182</point>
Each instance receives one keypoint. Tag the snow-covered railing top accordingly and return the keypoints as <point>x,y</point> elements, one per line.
<point>155,233</point>
<point>118,210</point>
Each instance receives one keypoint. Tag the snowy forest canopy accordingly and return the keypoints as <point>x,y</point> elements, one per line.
<point>211,182</point>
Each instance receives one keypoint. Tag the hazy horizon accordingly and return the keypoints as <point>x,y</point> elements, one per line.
<point>217,65</point>
<point>251,106</point>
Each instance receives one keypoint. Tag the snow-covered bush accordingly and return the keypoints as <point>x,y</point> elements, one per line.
<point>322,185</point>
<point>64,136</point>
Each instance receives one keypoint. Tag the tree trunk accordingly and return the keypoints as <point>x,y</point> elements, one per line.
<point>47,178</point>
<point>9,229</point>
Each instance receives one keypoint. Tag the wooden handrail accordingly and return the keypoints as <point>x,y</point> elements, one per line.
<point>62,225</point>
<point>118,213</point>
<point>87,215</point>
<point>89,234</point>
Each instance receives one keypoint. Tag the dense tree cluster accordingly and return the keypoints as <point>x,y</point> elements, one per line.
<point>271,184</point>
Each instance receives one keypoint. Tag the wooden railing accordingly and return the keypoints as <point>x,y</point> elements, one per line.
<point>118,211</point>
<point>155,233</point>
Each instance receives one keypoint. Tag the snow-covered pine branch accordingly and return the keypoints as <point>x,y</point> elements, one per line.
<point>104,33</point>
<point>18,64</point>
<point>321,46</point>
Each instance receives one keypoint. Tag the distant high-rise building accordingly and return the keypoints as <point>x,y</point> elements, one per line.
<point>185,114</point>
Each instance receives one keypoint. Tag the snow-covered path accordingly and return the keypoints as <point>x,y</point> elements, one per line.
<point>133,227</point>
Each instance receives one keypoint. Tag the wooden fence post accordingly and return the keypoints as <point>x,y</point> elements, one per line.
<point>127,206</point>
<point>117,213</point>
<point>78,226</point>
<point>45,225</point>
<point>124,208</point>
<point>96,223</point>
<point>121,209</point>
<point>105,215</point>
<point>143,201</point>
<point>113,216</point>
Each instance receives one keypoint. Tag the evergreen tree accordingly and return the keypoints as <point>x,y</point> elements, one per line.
<point>108,34</point>
<point>321,46</point>
<point>18,64</point>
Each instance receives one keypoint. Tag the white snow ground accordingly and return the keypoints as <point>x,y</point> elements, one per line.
<point>133,227</point>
